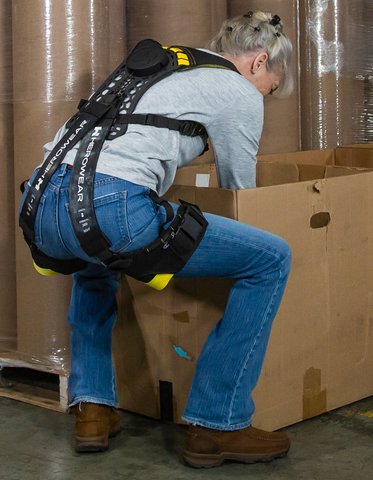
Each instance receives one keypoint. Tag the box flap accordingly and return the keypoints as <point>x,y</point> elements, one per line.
<point>197,176</point>
<point>337,171</point>
<point>311,157</point>
<point>354,157</point>
<point>311,172</point>
<point>273,173</point>
<point>218,201</point>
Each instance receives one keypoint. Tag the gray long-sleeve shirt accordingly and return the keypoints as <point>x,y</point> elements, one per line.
<point>230,108</point>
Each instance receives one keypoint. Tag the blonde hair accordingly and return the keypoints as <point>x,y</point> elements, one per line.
<point>254,33</point>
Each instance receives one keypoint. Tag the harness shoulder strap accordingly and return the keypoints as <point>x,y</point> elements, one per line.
<point>187,59</point>
<point>202,59</point>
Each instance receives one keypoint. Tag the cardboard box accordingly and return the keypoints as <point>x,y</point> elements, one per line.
<point>356,155</point>
<point>319,354</point>
<point>288,167</point>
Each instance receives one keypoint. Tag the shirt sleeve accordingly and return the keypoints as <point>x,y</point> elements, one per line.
<point>235,133</point>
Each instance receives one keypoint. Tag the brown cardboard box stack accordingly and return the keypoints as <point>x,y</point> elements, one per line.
<point>319,201</point>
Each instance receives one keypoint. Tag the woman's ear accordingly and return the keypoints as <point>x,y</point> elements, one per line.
<point>259,62</point>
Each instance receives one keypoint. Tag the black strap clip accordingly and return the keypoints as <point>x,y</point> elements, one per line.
<point>191,129</point>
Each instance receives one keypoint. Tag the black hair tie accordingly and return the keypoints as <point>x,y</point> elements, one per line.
<point>275,20</point>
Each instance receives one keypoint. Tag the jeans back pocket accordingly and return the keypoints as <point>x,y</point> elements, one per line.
<point>111,214</point>
<point>38,239</point>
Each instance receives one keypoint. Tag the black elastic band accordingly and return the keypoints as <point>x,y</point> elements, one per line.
<point>169,210</point>
<point>82,213</point>
<point>185,127</point>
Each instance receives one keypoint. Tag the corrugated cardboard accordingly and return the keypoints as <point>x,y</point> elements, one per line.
<point>349,156</point>
<point>8,311</point>
<point>286,167</point>
<point>319,354</point>
<point>268,173</point>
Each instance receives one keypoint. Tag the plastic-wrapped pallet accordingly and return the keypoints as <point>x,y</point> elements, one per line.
<point>336,72</point>
<point>62,51</point>
<point>8,320</point>
<point>190,23</point>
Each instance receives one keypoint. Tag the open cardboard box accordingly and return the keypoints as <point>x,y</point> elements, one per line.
<point>320,350</point>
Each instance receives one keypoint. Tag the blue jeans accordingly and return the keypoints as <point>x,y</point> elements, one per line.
<point>231,360</point>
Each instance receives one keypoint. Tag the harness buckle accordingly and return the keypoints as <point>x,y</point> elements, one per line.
<point>192,129</point>
<point>152,120</point>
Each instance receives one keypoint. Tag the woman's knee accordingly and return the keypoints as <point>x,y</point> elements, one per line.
<point>283,251</point>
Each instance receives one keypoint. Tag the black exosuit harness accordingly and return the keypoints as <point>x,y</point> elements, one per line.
<point>97,120</point>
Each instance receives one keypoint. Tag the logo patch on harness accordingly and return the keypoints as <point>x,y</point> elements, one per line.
<point>82,171</point>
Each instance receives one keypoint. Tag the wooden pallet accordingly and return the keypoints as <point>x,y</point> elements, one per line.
<point>41,397</point>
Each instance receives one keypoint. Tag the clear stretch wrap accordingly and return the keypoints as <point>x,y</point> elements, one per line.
<point>190,23</point>
<point>62,51</point>
<point>8,318</point>
<point>336,72</point>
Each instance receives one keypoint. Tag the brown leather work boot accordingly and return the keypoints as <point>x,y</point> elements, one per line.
<point>94,424</point>
<point>206,448</point>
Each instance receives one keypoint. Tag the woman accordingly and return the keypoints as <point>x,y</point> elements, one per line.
<point>229,104</point>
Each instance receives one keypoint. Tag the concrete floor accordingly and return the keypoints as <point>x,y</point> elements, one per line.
<point>36,443</point>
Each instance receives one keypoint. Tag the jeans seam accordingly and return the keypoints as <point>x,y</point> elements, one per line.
<point>265,319</point>
<point>56,222</point>
<point>215,426</point>
<point>37,224</point>
<point>252,245</point>
<point>89,399</point>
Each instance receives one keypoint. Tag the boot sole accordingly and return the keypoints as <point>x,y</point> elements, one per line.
<point>95,444</point>
<point>196,460</point>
